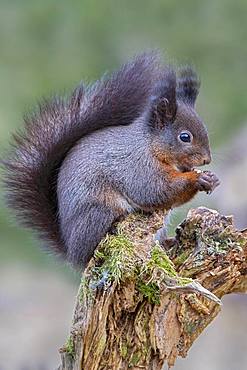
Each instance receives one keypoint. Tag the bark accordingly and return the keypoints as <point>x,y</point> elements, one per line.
<point>139,307</point>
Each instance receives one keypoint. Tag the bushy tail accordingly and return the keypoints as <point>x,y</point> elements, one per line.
<point>31,170</point>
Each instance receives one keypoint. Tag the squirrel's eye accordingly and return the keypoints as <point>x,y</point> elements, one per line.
<point>185,137</point>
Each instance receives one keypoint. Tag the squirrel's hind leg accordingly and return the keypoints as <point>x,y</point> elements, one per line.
<point>87,228</point>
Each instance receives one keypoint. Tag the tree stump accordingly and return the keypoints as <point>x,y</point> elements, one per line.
<point>139,307</point>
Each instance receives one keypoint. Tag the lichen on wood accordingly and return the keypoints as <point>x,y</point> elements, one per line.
<point>139,306</point>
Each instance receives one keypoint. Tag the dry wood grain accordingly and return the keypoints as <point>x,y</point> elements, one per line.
<point>139,307</point>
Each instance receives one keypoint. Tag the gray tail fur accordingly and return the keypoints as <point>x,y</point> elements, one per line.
<point>31,170</point>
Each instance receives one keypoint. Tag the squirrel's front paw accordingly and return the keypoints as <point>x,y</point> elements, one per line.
<point>207,181</point>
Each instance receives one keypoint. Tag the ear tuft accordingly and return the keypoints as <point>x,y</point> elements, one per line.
<point>188,85</point>
<point>164,104</point>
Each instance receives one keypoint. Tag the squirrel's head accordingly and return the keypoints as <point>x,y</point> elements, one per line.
<point>180,136</point>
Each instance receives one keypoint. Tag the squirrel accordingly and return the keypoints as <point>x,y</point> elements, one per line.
<point>129,142</point>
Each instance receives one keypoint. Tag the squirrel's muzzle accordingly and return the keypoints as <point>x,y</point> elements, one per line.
<point>207,159</point>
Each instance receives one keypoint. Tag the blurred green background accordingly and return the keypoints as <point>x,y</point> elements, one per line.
<point>50,46</point>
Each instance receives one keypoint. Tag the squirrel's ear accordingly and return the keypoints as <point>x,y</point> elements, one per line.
<point>188,85</point>
<point>164,105</point>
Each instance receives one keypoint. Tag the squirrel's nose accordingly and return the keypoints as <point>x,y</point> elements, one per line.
<point>207,159</point>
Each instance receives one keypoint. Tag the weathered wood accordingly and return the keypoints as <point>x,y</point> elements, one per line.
<point>137,309</point>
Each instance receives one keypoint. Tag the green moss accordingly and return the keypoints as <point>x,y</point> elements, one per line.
<point>85,293</point>
<point>148,283</point>
<point>151,291</point>
<point>181,258</point>
<point>159,259</point>
<point>227,239</point>
<point>69,347</point>
<point>183,281</point>
<point>114,259</point>
<point>190,328</point>
<point>192,271</point>
<point>101,344</point>
<point>124,350</point>
<point>135,358</point>
<point>157,272</point>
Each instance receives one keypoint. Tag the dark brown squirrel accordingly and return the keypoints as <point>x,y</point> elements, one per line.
<point>129,142</point>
